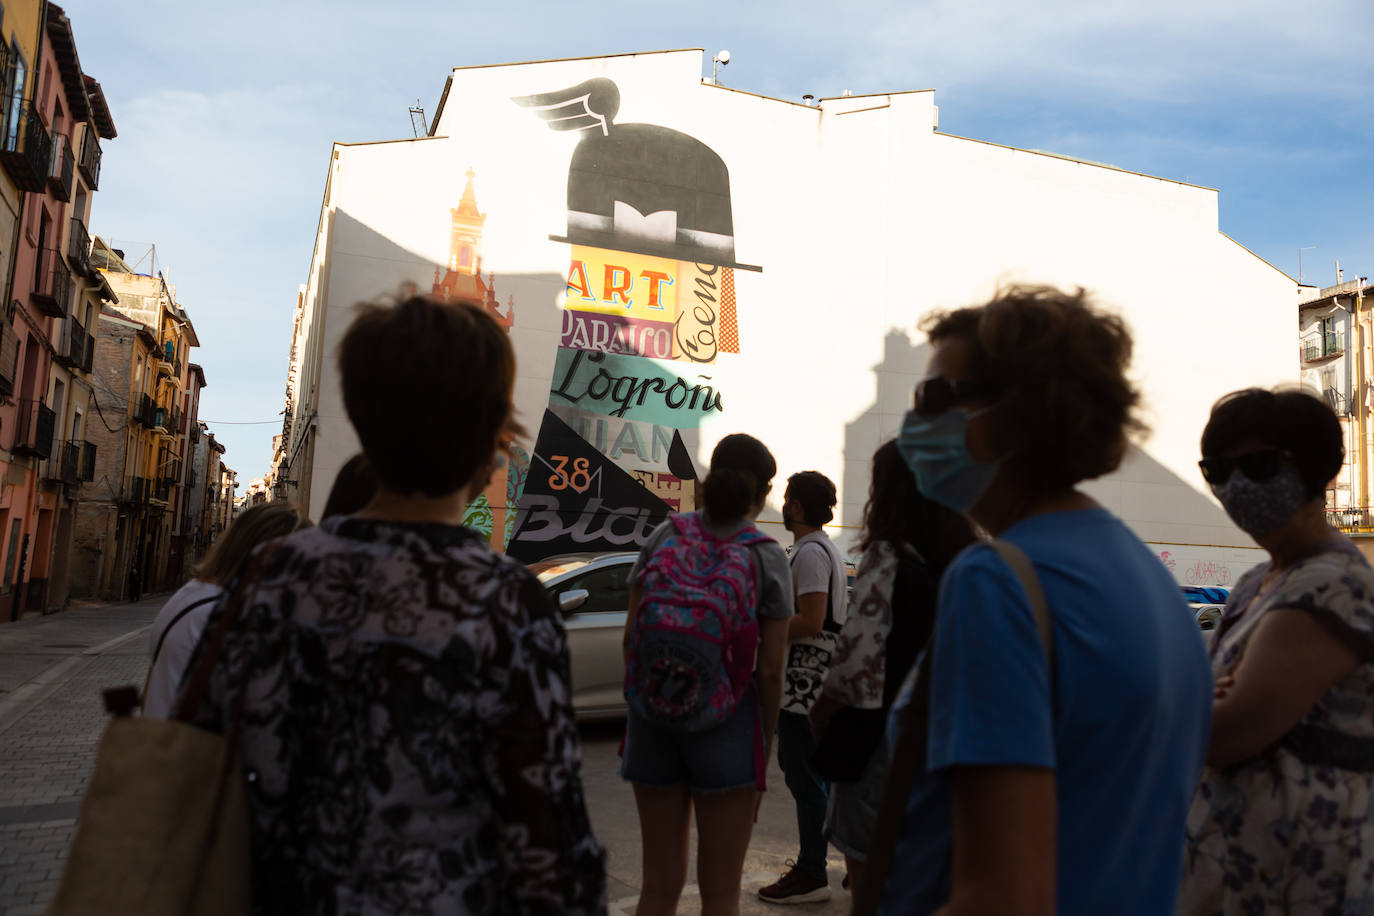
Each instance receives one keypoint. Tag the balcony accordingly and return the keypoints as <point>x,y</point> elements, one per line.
<point>1352,520</point>
<point>33,429</point>
<point>65,464</point>
<point>71,352</point>
<point>89,162</point>
<point>1323,346</point>
<point>79,249</point>
<point>1337,402</point>
<point>160,489</point>
<point>63,165</point>
<point>26,149</point>
<point>135,491</point>
<point>52,290</point>
<point>87,467</point>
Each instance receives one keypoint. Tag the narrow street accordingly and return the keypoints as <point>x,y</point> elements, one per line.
<point>52,670</point>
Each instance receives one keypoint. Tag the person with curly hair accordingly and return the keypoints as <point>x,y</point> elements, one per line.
<point>1281,821</point>
<point>1058,768</point>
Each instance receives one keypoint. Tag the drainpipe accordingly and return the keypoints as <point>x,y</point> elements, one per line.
<point>1363,406</point>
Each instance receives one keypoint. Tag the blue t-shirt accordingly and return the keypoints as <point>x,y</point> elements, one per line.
<point>1125,727</point>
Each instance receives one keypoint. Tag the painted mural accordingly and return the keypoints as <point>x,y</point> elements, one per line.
<point>648,309</point>
<point>491,512</point>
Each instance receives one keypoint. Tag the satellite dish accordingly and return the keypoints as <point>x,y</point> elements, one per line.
<point>723,57</point>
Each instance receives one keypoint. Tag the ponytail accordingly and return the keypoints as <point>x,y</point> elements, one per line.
<point>729,492</point>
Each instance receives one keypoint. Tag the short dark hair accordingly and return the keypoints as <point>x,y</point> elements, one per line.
<point>427,385</point>
<point>897,512</point>
<point>1287,418</point>
<point>817,496</point>
<point>742,469</point>
<point>1062,362</point>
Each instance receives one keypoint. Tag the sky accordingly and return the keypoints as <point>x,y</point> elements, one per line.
<point>226,115</point>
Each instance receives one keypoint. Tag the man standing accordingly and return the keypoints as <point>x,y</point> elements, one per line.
<point>820,588</point>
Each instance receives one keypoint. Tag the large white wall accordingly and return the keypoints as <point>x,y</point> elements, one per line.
<point>864,218</point>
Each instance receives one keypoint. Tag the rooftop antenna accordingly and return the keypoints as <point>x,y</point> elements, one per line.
<point>1300,251</point>
<point>720,60</point>
<point>417,120</point>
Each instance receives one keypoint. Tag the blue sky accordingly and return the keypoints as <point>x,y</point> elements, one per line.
<point>226,117</point>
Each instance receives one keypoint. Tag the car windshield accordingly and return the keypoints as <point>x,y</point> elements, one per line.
<point>544,570</point>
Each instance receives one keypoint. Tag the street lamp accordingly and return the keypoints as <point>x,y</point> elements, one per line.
<point>720,60</point>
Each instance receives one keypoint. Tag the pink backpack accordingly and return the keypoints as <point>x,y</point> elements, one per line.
<point>696,631</point>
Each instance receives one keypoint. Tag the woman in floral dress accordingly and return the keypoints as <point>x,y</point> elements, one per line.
<point>1283,821</point>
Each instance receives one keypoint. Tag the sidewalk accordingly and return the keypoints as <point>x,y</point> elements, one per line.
<point>52,672</point>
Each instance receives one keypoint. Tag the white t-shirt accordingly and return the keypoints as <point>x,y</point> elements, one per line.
<point>170,665</point>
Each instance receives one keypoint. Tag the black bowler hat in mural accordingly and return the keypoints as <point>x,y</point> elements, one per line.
<point>639,187</point>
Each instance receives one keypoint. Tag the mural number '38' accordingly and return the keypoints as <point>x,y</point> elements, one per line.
<point>579,479</point>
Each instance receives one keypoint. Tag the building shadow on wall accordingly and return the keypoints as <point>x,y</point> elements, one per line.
<point>365,265</point>
<point>1163,508</point>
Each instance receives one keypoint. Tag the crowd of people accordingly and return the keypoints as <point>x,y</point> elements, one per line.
<point>1013,713</point>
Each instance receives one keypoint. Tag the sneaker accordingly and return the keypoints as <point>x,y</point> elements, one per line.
<point>796,886</point>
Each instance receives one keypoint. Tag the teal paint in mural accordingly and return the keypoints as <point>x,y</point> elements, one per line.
<point>518,471</point>
<point>479,516</point>
<point>634,388</point>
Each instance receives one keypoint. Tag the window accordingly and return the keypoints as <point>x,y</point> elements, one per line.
<point>464,256</point>
<point>608,587</point>
<point>19,75</point>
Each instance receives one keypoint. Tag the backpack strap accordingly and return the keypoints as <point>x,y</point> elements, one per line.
<point>180,614</point>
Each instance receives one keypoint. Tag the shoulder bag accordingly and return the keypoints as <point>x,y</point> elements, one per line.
<point>163,828</point>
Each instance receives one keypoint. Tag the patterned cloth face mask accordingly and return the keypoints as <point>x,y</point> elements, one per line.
<point>1260,508</point>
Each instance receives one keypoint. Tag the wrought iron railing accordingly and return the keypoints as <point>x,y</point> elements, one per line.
<point>33,429</point>
<point>63,164</point>
<point>26,148</point>
<point>1352,519</point>
<point>89,162</point>
<point>79,248</point>
<point>52,288</point>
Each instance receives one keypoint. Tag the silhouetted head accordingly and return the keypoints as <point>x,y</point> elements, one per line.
<point>741,475</point>
<point>1288,420</point>
<point>810,498</point>
<point>428,386</point>
<point>897,512</point>
<point>1042,375</point>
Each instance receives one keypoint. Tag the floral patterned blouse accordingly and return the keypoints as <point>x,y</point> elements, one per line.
<point>408,738</point>
<point>1292,830</point>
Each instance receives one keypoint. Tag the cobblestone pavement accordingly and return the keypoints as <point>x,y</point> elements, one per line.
<point>52,671</point>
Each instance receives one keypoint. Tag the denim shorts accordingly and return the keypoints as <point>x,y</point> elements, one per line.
<point>729,756</point>
<point>852,812</point>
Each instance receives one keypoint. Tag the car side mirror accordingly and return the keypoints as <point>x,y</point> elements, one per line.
<point>572,600</point>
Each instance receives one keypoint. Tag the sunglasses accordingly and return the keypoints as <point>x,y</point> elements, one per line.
<point>1257,466</point>
<point>937,394</point>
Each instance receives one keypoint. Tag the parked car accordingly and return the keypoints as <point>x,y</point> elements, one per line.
<point>593,592</point>
<point>1207,605</point>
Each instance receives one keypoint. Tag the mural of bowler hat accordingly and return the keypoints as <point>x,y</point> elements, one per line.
<point>639,187</point>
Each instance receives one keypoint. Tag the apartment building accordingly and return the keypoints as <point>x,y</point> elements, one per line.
<point>55,116</point>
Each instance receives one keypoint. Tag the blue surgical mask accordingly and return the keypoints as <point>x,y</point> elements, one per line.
<point>937,453</point>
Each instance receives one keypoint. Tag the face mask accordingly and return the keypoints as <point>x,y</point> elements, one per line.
<point>937,453</point>
<point>1261,508</point>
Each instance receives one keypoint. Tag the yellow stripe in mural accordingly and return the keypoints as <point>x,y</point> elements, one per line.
<point>621,283</point>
